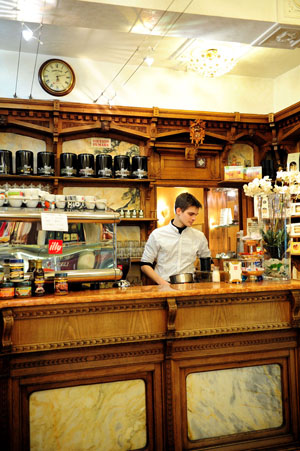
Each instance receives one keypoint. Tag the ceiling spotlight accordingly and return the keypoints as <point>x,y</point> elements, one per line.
<point>28,34</point>
<point>149,60</point>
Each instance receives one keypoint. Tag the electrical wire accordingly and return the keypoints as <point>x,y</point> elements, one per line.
<point>18,64</point>
<point>164,35</point>
<point>132,55</point>
<point>36,55</point>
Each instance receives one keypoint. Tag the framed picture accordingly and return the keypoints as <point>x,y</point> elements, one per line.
<point>200,162</point>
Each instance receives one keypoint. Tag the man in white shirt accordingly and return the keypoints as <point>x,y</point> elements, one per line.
<point>175,246</point>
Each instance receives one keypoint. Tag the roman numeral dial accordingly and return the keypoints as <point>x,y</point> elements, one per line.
<point>56,77</point>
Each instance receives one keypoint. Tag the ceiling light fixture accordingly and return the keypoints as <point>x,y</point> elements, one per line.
<point>149,60</point>
<point>28,34</point>
<point>211,62</point>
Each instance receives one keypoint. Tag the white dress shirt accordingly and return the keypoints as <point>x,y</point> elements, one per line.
<point>174,252</point>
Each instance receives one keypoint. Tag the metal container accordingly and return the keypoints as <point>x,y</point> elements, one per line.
<point>139,167</point>
<point>5,162</point>
<point>104,166</point>
<point>68,164</point>
<point>182,278</point>
<point>45,163</point>
<point>86,165</point>
<point>24,162</point>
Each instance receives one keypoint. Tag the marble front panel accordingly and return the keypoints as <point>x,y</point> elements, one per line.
<point>99,417</point>
<point>233,401</point>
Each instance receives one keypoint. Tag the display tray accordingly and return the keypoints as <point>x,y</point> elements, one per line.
<point>11,213</point>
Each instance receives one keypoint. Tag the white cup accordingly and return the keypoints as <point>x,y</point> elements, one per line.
<point>50,197</point>
<point>101,204</point>
<point>15,201</point>
<point>90,198</point>
<point>60,203</point>
<point>80,198</point>
<point>90,205</point>
<point>31,202</point>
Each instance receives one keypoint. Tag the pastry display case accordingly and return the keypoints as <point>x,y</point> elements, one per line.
<point>86,250</point>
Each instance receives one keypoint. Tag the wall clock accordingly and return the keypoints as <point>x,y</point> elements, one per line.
<point>56,77</point>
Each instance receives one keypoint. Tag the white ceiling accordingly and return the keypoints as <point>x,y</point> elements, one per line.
<point>115,31</point>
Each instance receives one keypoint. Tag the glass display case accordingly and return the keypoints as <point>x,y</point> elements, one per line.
<point>223,217</point>
<point>86,251</point>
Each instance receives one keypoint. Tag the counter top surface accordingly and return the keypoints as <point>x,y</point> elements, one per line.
<point>152,291</point>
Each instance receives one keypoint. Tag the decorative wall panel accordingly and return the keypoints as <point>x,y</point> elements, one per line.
<point>99,417</point>
<point>233,401</point>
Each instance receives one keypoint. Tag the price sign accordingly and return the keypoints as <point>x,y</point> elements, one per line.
<point>57,222</point>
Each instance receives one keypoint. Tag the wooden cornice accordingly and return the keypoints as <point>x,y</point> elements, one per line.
<point>59,119</point>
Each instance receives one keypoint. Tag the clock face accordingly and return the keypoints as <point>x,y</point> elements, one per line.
<point>56,77</point>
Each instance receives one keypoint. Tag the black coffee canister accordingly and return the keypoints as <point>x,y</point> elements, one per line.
<point>122,166</point>
<point>24,162</point>
<point>45,163</point>
<point>5,162</point>
<point>139,167</point>
<point>68,164</point>
<point>104,166</point>
<point>85,165</point>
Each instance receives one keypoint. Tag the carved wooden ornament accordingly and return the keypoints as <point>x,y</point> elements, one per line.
<point>197,132</point>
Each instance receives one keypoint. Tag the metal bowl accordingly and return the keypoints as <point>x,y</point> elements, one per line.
<point>182,278</point>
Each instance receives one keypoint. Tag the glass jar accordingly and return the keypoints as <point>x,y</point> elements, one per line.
<point>16,270</point>
<point>7,290</point>
<point>61,283</point>
<point>23,289</point>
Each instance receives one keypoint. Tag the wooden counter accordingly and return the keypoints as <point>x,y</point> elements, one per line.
<point>160,335</point>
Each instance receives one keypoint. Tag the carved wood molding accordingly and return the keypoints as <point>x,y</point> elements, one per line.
<point>70,344</point>
<point>87,358</point>
<point>55,311</point>
<point>232,299</point>
<point>8,322</point>
<point>295,308</point>
<point>169,405</point>
<point>231,344</point>
<point>231,330</point>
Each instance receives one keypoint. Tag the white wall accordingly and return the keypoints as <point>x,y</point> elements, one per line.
<point>287,89</point>
<point>147,88</point>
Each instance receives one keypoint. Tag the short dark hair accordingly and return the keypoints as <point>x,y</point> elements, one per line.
<point>186,200</point>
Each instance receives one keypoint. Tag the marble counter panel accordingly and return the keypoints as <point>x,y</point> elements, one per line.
<point>233,401</point>
<point>99,417</point>
<point>154,291</point>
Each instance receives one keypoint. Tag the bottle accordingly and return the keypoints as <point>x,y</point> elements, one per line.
<point>31,269</point>
<point>39,279</point>
<point>216,274</point>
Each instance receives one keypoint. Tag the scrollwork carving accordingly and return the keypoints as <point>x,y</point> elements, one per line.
<point>8,322</point>
<point>295,308</point>
<point>172,312</point>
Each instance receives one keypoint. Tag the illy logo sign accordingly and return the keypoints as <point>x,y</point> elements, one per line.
<point>55,246</point>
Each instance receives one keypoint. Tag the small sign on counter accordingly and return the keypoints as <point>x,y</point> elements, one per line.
<point>54,222</point>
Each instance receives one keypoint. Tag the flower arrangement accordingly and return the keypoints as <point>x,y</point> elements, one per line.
<point>273,201</point>
<point>286,183</point>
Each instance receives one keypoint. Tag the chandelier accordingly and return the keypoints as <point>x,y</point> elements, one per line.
<point>211,63</point>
